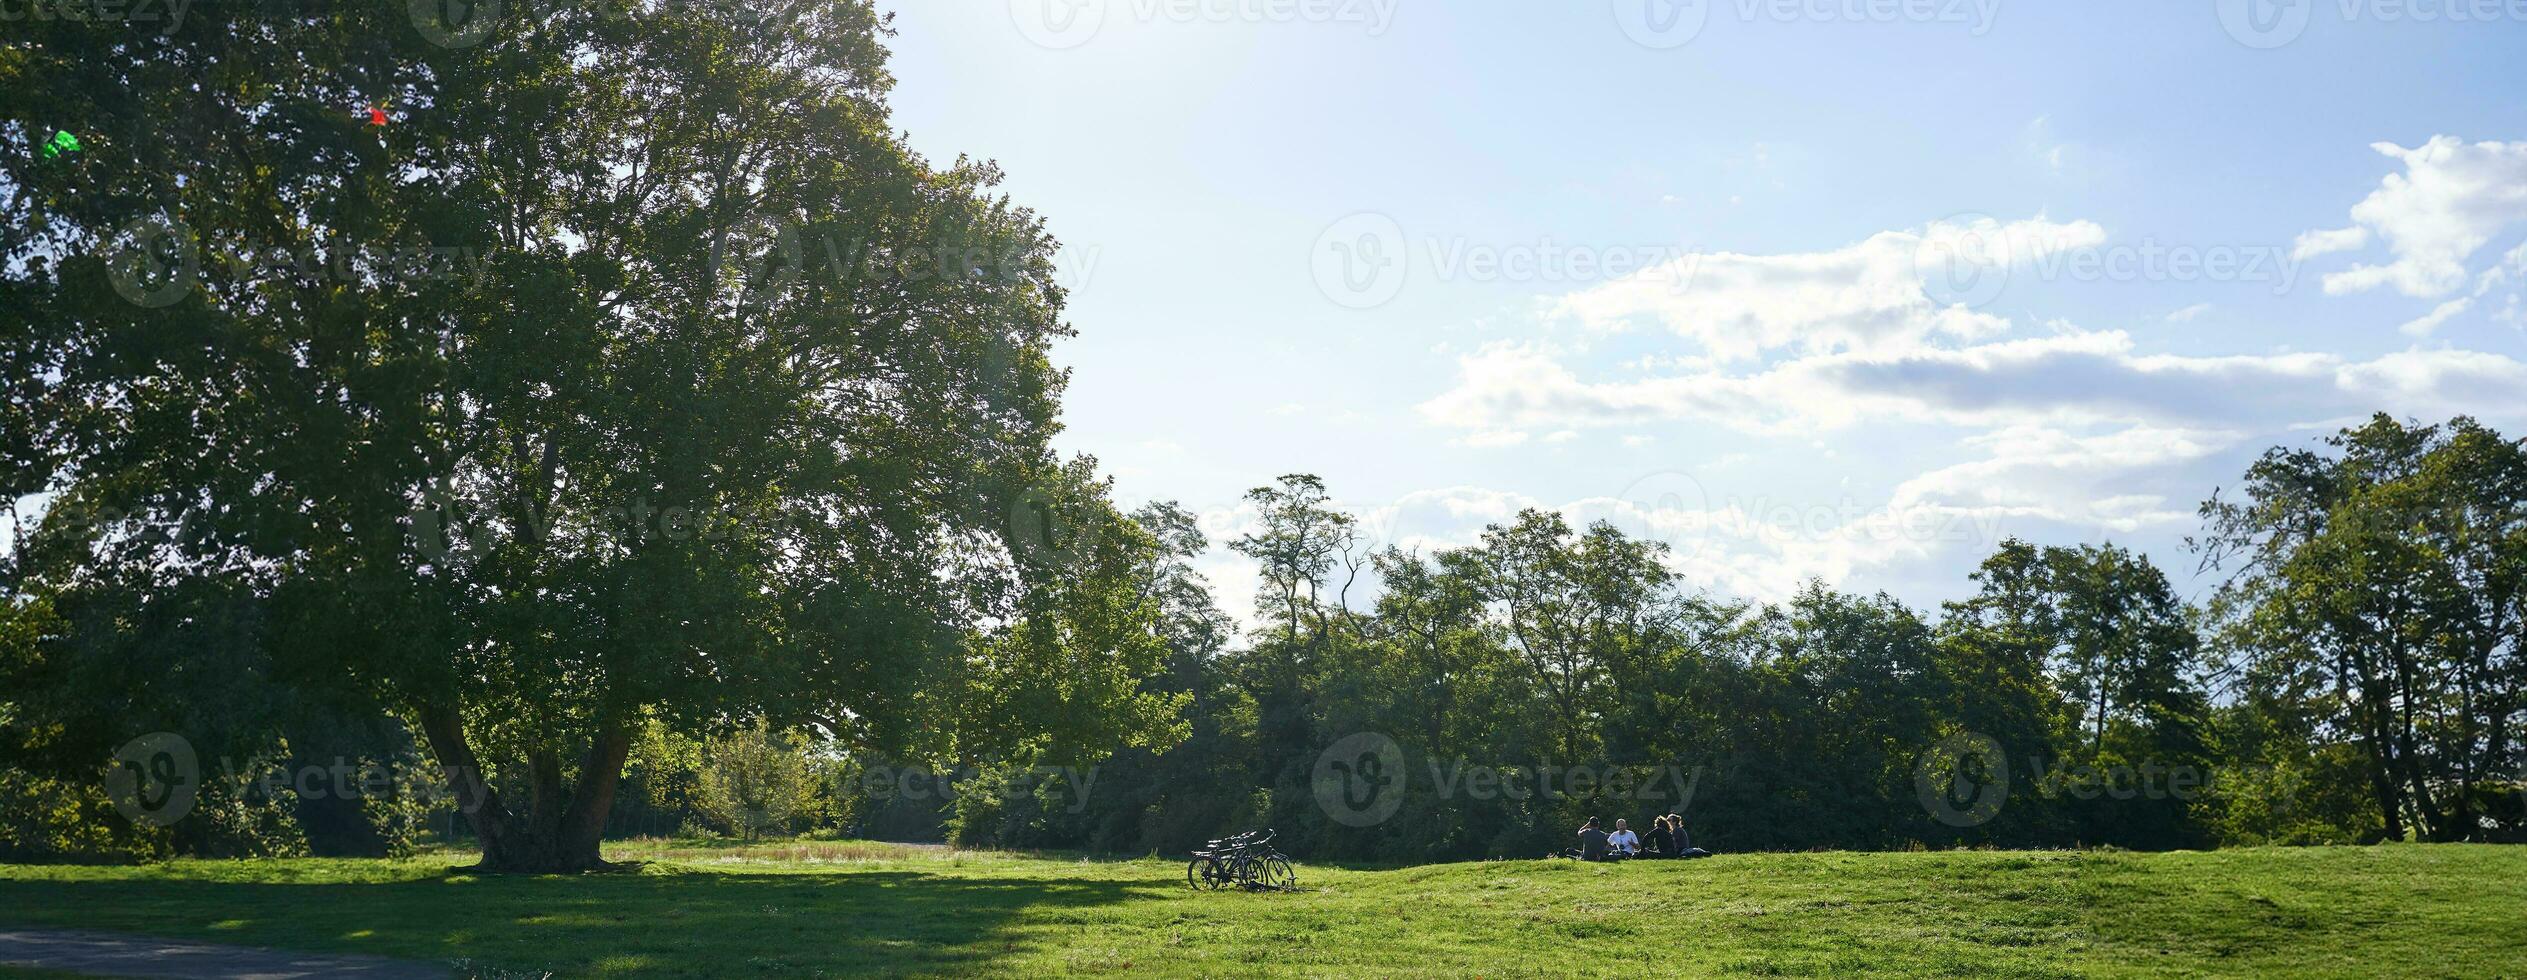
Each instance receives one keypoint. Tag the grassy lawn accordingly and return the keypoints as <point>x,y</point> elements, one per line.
<point>847,908</point>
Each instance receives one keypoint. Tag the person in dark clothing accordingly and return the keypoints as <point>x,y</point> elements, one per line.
<point>1684,841</point>
<point>1592,842</point>
<point>1662,841</point>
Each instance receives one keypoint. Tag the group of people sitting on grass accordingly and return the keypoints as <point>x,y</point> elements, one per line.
<point>1667,840</point>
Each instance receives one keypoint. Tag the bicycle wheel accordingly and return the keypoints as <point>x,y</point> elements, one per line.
<point>1278,875</point>
<point>1203,874</point>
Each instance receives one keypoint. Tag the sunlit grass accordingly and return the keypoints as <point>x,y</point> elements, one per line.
<point>810,908</point>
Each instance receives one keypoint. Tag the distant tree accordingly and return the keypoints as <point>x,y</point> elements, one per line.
<point>1584,611</point>
<point>2118,645</point>
<point>2127,650</point>
<point>1307,548</point>
<point>754,782</point>
<point>1847,698</point>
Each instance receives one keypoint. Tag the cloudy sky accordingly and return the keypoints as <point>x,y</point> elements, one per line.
<point>1838,289</point>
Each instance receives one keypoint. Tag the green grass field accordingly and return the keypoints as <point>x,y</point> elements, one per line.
<point>800,909</point>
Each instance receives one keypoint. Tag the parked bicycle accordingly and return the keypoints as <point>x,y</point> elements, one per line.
<point>1246,861</point>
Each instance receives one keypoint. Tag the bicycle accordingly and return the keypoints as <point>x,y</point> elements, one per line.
<point>1246,861</point>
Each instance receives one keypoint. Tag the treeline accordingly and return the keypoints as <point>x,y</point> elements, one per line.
<point>2355,676</point>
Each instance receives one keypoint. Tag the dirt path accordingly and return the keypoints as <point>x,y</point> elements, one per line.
<point>108,954</point>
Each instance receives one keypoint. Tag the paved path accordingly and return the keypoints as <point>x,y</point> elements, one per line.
<point>108,954</point>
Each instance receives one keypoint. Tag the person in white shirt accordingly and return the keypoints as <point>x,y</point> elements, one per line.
<point>1623,841</point>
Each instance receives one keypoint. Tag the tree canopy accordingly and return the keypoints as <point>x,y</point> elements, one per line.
<point>716,407</point>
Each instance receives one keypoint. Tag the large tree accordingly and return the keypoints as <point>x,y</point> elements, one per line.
<point>717,404</point>
<point>2378,597</point>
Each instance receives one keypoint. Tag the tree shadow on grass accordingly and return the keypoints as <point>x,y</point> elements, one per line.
<point>684,923</point>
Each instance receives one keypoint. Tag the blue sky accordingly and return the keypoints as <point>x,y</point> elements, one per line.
<point>1844,290</point>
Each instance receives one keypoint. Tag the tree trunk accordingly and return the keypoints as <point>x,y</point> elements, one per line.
<point>561,829</point>
<point>2381,775</point>
<point>2434,825</point>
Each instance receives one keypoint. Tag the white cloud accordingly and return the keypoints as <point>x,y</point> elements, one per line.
<point>2327,242</point>
<point>1867,296</point>
<point>2452,199</point>
<point>1447,517</point>
<point>2080,432</point>
<point>1765,547</point>
<point>1494,439</point>
<point>2431,321</point>
<point>2044,145</point>
<point>2064,476</point>
<point>2119,481</point>
<point>2072,378</point>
